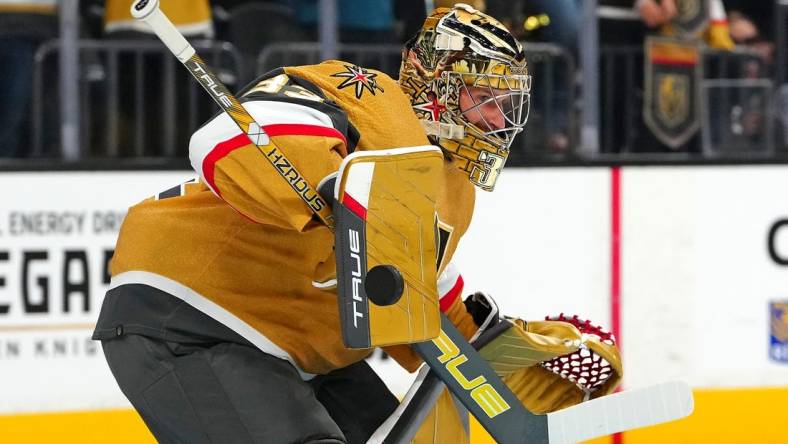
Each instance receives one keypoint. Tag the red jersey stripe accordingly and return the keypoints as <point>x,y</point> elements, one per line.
<point>221,150</point>
<point>286,129</point>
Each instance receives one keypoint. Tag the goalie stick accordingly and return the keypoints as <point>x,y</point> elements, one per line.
<point>619,412</point>
<point>148,11</point>
<point>602,416</point>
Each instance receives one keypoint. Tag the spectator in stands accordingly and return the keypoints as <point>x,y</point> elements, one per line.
<point>238,21</point>
<point>194,19</point>
<point>752,25</point>
<point>549,21</point>
<point>656,13</point>
<point>627,23</point>
<point>755,19</point>
<point>410,15</point>
<point>554,21</point>
<point>360,21</point>
<point>559,23</point>
<point>23,26</point>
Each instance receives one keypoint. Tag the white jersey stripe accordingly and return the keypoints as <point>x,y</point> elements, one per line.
<point>223,128</point>
<point>208,307</point>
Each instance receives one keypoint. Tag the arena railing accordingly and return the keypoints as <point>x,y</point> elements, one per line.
<point>135,99</point>
<point>552,67</point>
<point>383,57</point>
<point>136,102</point>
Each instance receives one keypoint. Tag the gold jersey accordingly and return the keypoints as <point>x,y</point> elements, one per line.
<point>191,17</point>
<point>47,7</point>
<point>240,246</point>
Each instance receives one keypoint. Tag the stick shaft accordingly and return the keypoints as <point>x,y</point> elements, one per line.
<point>180,47</point>
<point>474,383</point>
<point>623,411</point>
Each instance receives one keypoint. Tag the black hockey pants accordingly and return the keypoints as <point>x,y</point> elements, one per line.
<point>230,393</point>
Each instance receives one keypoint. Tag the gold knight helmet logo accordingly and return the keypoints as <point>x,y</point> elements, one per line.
<point>673,98</point>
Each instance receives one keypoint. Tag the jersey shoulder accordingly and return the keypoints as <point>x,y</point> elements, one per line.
<point>280,86</point>
<point>373,101</point>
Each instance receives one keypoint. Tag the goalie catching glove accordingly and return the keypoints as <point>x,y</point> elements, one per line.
<point>550,364</point>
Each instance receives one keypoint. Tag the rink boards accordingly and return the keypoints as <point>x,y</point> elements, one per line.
<point>683,262</point>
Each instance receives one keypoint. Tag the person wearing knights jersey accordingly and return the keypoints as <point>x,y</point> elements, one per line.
<point>624,22</point>
<point>193,18</point>
<point>221,322</point>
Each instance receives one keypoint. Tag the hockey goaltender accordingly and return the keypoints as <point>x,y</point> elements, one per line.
<point>221,323</point>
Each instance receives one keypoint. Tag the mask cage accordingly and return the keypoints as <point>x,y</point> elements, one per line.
<point>497,106</point>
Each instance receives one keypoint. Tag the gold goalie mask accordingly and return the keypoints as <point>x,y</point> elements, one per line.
<point>468,83</point>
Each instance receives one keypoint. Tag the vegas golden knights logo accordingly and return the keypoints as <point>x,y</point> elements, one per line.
<point>692,17</point>
<point>672,98</point>
<point>670,107</point>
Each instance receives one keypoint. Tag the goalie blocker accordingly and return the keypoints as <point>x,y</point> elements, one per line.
<point>386,250</point>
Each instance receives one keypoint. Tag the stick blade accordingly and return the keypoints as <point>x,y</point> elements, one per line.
<point>627,410</point>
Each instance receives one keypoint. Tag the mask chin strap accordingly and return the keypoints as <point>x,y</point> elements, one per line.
<point>443,130</point>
